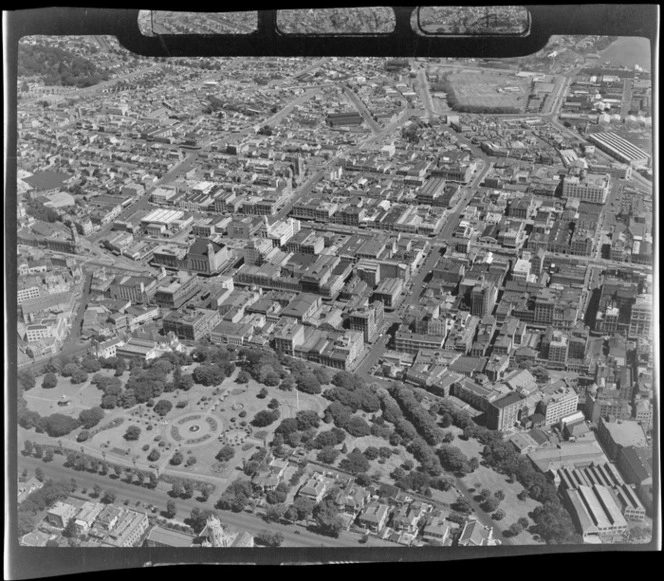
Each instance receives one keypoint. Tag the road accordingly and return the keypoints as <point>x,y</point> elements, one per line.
<point>425,93</point>
<point>158,497</point>
<point>361,109</point>
<point>75,330</point>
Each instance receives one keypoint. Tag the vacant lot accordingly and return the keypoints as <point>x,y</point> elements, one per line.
<point>475,92</point>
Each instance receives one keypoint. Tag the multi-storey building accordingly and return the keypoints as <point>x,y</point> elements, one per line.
<point>191,324</point>
<point>368,320</point>
<point>128,531</point>
<point>640,321</point>
<point>505,412</point>
<point>389,290</point>
<point>407,342</point>
<point>289,337</point>
<point>483,298</point>
<point>558,348</point>
<point>593,188</point>
<point>45,328</point>
<point>207,257</point>
<point>557,404</point>
<point>24,294</point>
<point>174,291</point>
<point>137,289</point>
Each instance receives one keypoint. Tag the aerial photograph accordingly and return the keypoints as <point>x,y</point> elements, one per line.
<point>335,302</point>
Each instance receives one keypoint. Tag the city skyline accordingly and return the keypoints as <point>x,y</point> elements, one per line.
<point>336,301</point>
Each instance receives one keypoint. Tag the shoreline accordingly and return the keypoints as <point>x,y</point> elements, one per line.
<point>645,68</point>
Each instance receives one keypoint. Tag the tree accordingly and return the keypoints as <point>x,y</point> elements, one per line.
<point>39,474</point>
<point>225,454</point>
<point>177,458</point>
<point>70,529</point>
<point>242,377</point>
<point>171,508</point>
<point>154,455</point>
<point>303,507</point>
<point>91,417</point>
<point>236,496</point>
<point>287,383</point>
<point>278,495</point>
<point>448,437</point>
<point>208,375</point>
<point>273,404</point>
<point>357,427</point>
<point>109,402</point>
<point>371,453</point>
<point>96,491</point>
<point>79,376</point>
<point>57,425</point>
<point>498,515</point>
<point>308,383</point>
<point>327,518</point>
<point>499,494</point>
<point>109,497</point>
<point>25,522</point>
<point>50,380</point>
<point>484,494</point>
<point>132,433</point>
<point>265,418</point>
<point>452,458</point>
<point>262,394</point>
<point>355,462</point>
<point>48,455</point>
<point>188,489</point>
<point>307,419</point>
<point>321,375</point>
<point>328,455</point>
<point>90,364</point>
<point>524,522</point>
<point>28,447</point>
<point>25,379</point>
<point>269,539</point>
<point>461,505</point>
<point>490,504</point>
<point>162,407</point>
<point>275,512</point>
<point>515,529</point>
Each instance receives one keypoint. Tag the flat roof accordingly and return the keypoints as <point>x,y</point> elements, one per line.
<point>169,537</point>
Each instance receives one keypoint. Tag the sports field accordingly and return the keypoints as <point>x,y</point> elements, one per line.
<point>488,91</point>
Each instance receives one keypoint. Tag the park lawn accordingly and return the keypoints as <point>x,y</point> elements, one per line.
<point>485,477</point>
<point>375,466</point>
<point>481,90</point>
<point>471,447</point>
<point>81,396</point>
<point>514,508</point>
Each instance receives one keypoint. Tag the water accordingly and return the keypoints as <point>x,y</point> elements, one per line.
<point>628,51</point>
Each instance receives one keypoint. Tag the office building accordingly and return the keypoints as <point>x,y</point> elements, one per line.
<point>593,188</point>
<point>191,324</point>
